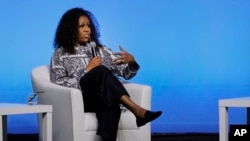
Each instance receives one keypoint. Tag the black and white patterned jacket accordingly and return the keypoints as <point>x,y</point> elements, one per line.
<point>67,69</point>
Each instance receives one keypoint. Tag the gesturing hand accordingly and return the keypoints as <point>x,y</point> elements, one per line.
<point>96,61</point>
<point>124,57</point>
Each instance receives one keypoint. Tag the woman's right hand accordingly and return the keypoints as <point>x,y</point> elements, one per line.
<point>96,61</point>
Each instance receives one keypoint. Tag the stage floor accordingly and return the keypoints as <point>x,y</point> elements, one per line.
<point>155,137</point>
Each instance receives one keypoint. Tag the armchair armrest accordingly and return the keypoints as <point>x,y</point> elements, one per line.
<point>68,109</point>
<point>140,94</point>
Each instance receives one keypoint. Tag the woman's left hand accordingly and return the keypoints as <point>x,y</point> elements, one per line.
<point>124,57</point>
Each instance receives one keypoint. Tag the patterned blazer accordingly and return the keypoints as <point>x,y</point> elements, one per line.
<point>67,69</point>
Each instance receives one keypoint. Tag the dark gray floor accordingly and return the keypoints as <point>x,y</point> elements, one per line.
<point>185,137</point>
<point>155,137</point>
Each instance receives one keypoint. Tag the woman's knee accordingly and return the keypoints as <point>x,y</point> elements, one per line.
<point>101,68</point>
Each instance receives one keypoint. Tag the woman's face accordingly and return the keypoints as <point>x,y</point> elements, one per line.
<point>84,30</point>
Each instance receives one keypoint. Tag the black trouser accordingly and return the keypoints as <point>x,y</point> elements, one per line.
<point>101,94</point>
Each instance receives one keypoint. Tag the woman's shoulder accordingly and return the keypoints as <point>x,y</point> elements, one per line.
<point>60,49</point>
<point>58,52</point>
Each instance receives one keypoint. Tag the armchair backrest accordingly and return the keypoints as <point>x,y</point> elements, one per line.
<point>41,73</point>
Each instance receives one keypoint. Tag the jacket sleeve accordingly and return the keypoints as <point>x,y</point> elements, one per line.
<point>130,70</point>
<point>127,71</point>
<point>58,73</point>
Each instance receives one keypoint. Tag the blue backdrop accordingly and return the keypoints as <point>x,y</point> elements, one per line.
<point>192,53</point>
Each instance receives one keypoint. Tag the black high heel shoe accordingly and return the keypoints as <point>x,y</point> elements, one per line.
<point>149,116</point>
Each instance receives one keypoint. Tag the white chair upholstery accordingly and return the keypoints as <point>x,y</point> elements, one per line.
<point>70,123</point>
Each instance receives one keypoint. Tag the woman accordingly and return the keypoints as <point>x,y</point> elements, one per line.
<point>81,61</point>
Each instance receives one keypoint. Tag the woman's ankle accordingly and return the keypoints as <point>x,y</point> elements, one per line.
<point>140,113</point>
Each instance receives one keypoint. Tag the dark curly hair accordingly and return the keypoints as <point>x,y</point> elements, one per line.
<point>66,35</point>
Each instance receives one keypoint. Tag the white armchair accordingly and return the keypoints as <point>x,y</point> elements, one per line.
<point>71,123</point>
